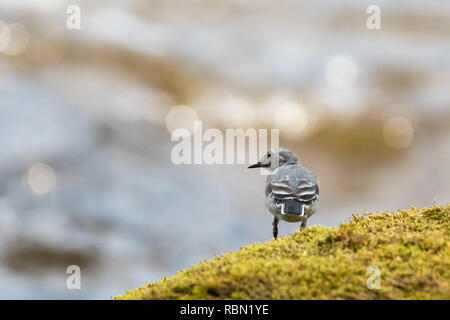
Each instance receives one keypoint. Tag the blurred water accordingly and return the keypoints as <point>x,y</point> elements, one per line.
<point>91,105</point>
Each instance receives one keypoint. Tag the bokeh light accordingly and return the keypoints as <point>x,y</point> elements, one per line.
<point>181,116</point>
<point>340,94</point>
<point>41,178</point>
<point>341,72</point>
<point>238,113</point>
<point>291,118</point>
<point>19,38</point>
<point>398,132</point>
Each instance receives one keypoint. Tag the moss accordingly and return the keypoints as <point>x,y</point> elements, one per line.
<point>411,248</point>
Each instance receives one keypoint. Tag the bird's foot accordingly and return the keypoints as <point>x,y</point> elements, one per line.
<point>303,224</point>
<point>275,227</point>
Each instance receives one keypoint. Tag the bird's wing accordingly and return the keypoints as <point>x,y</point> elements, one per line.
<point>292,184</point>
<point>269,186</point>
<point>307,191</point>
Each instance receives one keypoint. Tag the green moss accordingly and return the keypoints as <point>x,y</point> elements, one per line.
<point>411,248</point>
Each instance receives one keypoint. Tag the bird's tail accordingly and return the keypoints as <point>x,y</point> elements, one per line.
<point>293,207</point>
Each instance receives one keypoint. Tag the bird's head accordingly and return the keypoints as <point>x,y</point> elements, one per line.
<point>276,158</point>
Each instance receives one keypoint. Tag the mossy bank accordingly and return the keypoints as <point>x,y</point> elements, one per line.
<point>410,248</point>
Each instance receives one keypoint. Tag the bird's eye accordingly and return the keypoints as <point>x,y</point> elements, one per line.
<point>269,155</point>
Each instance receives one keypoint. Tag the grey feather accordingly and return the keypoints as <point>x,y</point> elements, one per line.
<point>292,182</point>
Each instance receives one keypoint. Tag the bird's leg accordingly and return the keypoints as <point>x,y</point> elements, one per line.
<point>275,227</point>
<point>303,224</point>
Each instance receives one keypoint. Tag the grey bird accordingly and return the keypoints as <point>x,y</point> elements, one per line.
<point>292,191</point>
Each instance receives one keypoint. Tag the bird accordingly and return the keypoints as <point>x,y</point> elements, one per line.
<point>292,191</point>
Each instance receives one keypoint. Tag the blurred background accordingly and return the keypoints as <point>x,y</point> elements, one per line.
<point>85,120</point>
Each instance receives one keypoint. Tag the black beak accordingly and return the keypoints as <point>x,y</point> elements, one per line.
<point>256,165</point>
